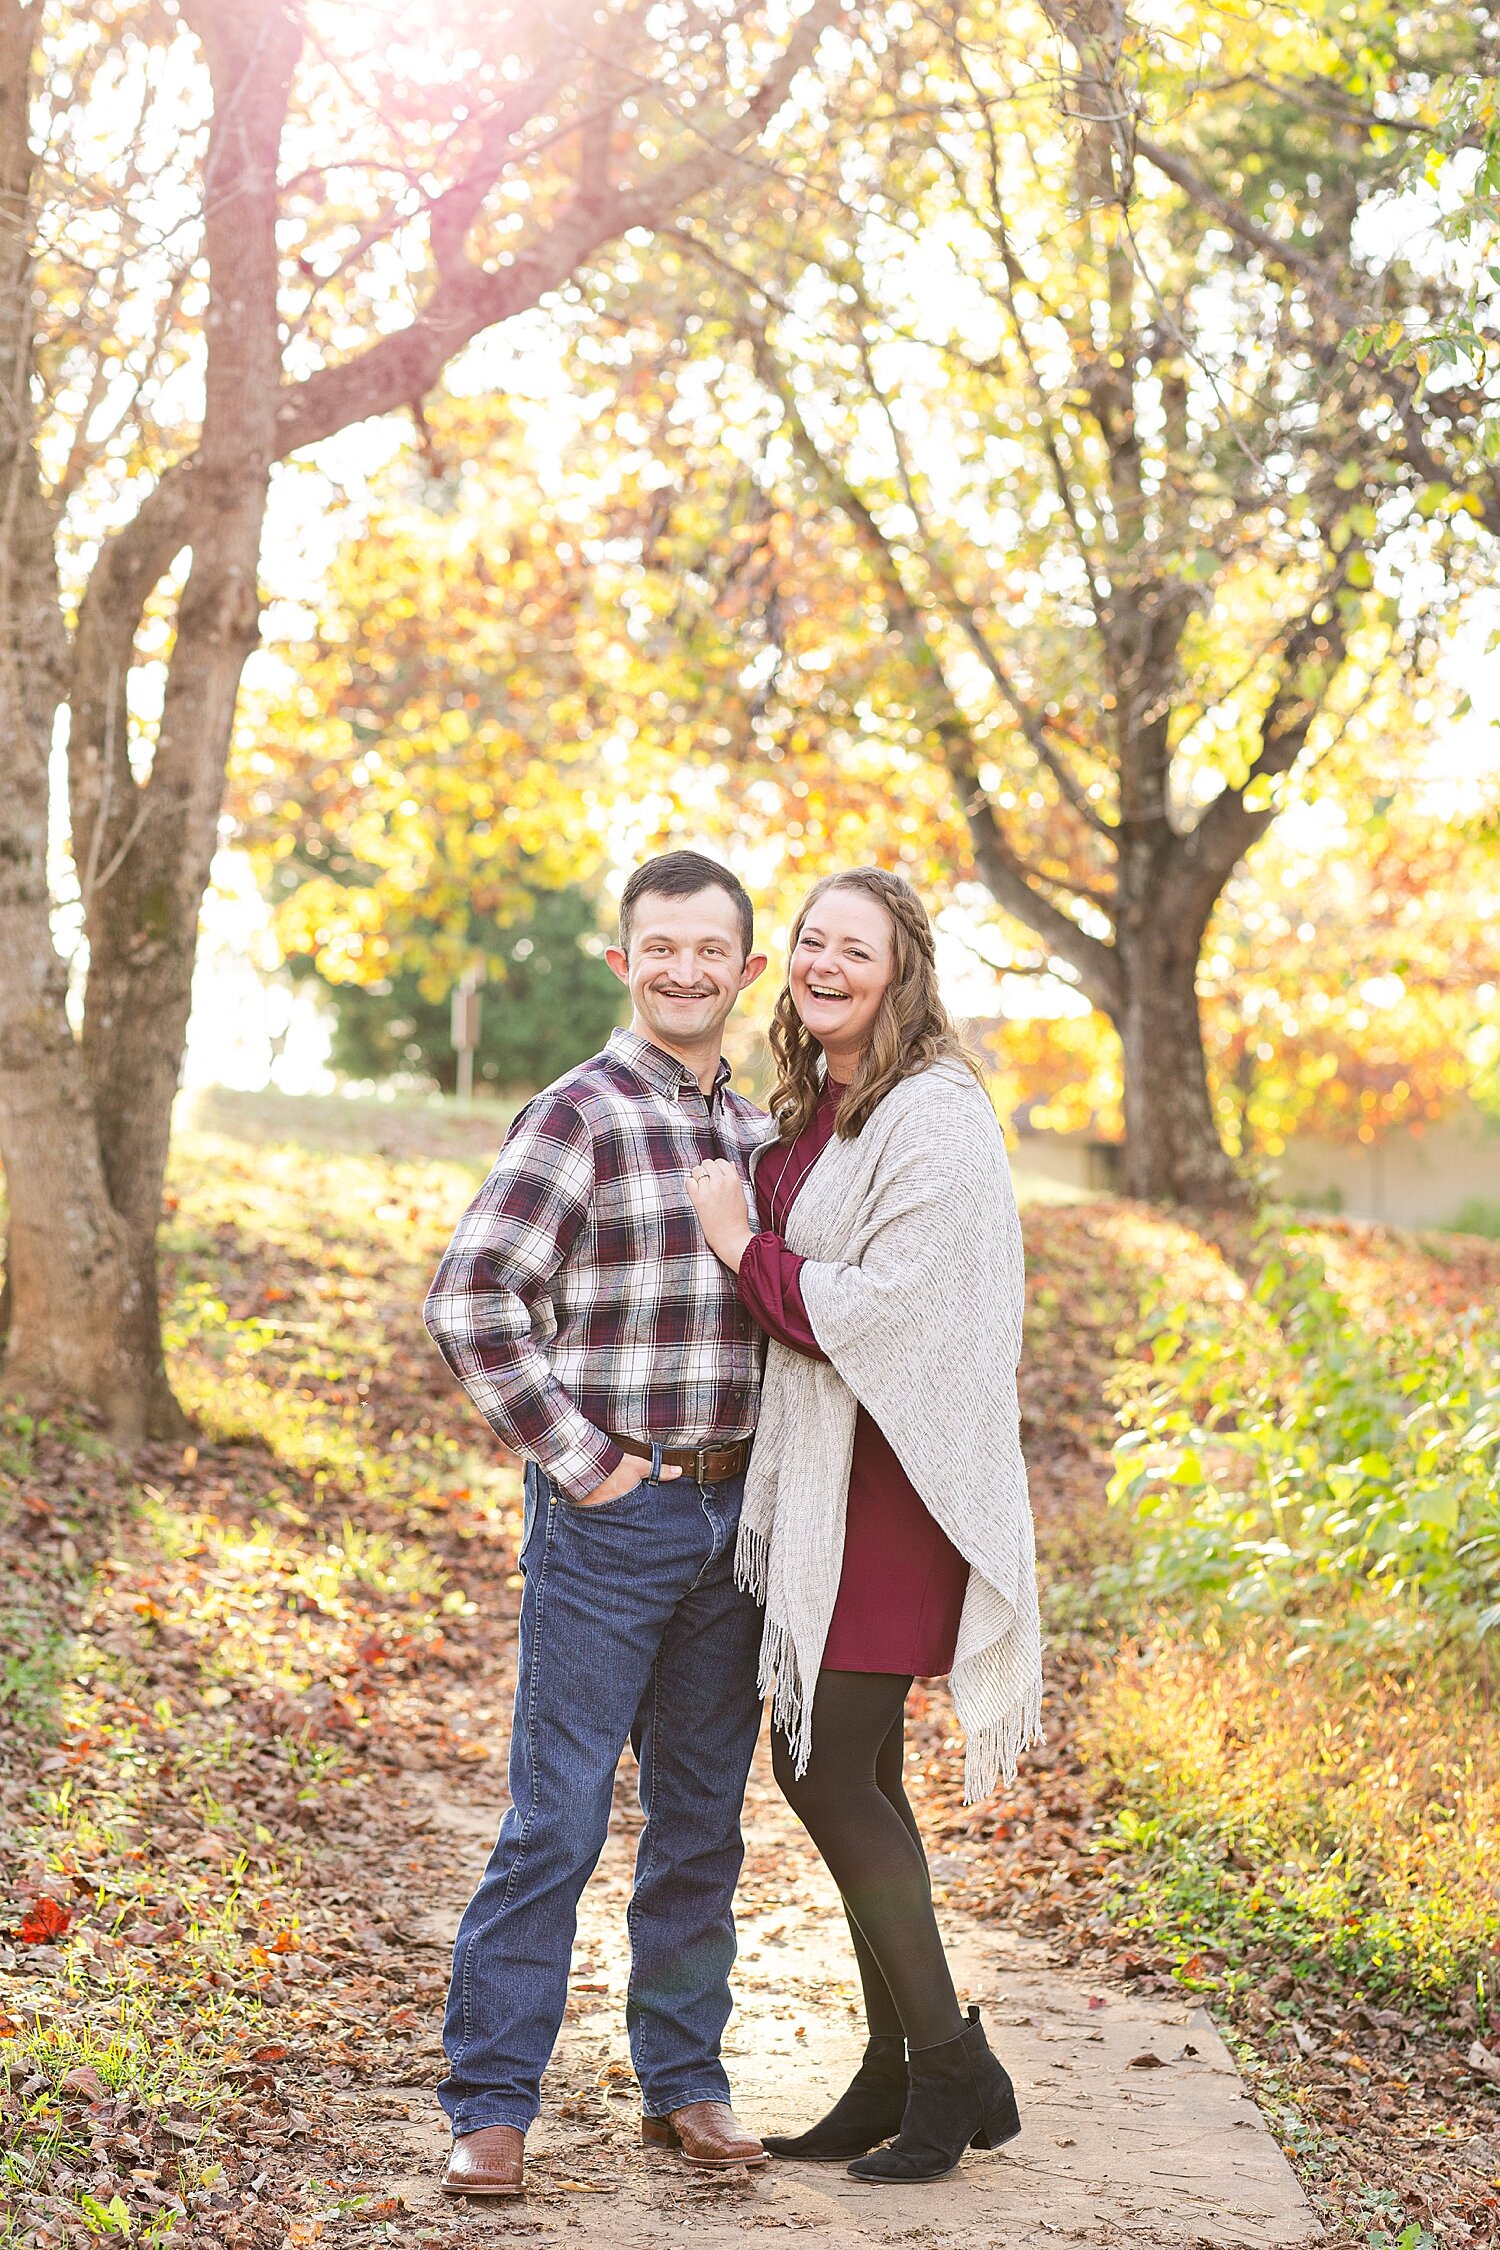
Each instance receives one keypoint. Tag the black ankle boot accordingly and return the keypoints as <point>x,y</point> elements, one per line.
<point>961,2097</point>
<point>862,2118</point>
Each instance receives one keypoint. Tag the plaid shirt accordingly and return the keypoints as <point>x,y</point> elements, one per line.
<point>578,1294</point>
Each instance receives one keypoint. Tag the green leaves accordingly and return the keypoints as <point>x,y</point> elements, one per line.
<point>106,2218</point>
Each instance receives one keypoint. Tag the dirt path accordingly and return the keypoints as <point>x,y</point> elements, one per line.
<point>1116,2149</point>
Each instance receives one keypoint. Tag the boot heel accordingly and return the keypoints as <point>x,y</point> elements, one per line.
<point>961,2097</point>
<point>1001,2125</point>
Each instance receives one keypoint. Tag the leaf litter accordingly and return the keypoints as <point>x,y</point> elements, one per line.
<point>228,1665</point>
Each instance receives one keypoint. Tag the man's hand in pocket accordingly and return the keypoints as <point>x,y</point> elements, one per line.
<point>631,1472</point>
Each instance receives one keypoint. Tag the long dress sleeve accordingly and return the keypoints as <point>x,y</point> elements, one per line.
<point>771,1292</point>
<point>770,1288</point>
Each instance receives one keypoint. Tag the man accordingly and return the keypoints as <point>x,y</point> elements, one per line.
<point>584,1313</point>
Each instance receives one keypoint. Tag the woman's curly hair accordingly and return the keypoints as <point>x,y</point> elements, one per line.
<point>912,1028</point>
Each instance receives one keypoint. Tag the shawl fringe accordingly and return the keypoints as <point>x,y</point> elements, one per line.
<point>780,1675</point>
<point>752,1562</point>
<point>992,1749</point>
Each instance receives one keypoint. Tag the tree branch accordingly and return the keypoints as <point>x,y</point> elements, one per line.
<point>455,210</point>
<point>466,301</point>
<point>1208,853</point>
<point>1031,722</point>
<point>1010,883</point>
<point>1005,874</point>
<point>1332,300</point>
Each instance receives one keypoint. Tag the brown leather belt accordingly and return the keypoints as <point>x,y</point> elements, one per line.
<point>706,1464</point>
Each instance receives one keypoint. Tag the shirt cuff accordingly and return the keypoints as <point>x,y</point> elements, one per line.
<point>577,1468</point>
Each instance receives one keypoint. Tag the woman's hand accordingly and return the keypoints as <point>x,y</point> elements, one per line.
<point>718,1194</point>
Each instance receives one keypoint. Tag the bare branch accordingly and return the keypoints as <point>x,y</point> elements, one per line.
<point>1031,722</point>
<point>1228,826</point>
<point>1062,971</point>
<point>1012,885</point>
<point>466,301</point>
<point>1331,299</point>
<point>1019,888</point>
<point>455,210</point>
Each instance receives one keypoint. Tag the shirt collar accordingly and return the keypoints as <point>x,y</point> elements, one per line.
<point>662,1072</point>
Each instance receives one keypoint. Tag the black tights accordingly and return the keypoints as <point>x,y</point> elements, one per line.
<point>852,1804</point>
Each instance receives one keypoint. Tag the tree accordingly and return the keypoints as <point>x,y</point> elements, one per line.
<point>338,211</point>
<point>433,754</point>
<point>420,782</point>
<point>510,609</point>
<point>1350,985</point>
<point>1130,545</point>
<point>549,1002</point>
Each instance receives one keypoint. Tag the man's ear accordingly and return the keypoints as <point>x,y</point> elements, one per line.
<point>619,961</point>
<point>754,967</point>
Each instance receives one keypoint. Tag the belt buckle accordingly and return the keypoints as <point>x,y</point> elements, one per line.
<point>700,1463</point>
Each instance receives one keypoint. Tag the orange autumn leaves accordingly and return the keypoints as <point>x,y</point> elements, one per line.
<point>43,1923</point>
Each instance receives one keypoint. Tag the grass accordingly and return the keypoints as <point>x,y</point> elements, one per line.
<point>1346,1818</point>
<point>1305,1752</point>
<point>187,1750</point>
<point>420,1126</point>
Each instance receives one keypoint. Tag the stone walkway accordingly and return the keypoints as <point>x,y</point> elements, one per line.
<point>1136,2127</point>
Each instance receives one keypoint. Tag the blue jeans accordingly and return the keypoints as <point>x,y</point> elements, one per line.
<point>632,1628</point>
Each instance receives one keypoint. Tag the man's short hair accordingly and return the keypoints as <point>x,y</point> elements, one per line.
<point>683,875</point>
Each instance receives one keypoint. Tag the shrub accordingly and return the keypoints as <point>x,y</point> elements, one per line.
<point>1478,1216</point>
<point>1283,1459</point>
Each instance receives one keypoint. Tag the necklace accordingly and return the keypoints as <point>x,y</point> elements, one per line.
<point>778,1226</point>
<point>789,1183</point>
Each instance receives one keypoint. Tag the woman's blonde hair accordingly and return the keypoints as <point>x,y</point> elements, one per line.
<point>912,1028</point>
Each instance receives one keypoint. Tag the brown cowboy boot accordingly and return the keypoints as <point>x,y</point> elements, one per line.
<point>489,2162</point>
<point>707,2134</point>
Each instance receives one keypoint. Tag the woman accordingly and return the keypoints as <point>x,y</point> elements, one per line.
<point>886,1524</point>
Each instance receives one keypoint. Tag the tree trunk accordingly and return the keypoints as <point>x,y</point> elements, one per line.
<point>1173,1153</point>
<point>68,1282</point>
<point>143,927</point>
<point>151,861</point>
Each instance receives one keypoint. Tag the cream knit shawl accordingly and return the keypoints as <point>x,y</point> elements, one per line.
<point>913,1286</point>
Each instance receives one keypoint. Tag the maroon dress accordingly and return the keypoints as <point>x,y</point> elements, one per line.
<point>902,1588</point>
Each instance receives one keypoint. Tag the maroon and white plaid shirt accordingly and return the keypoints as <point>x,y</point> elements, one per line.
<point>578,1294</point>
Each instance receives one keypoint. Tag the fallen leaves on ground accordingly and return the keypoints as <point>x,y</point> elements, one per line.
<point>226,1662</point>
